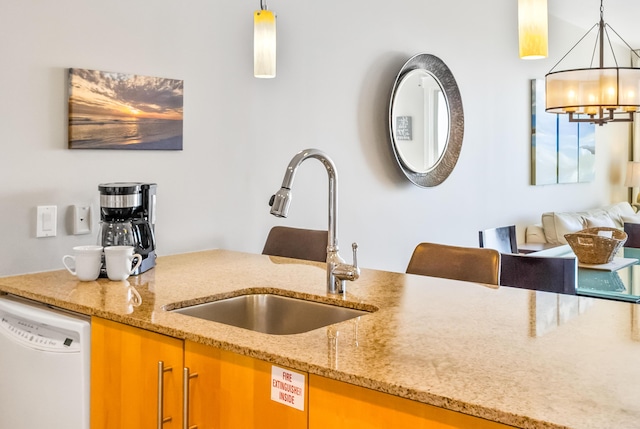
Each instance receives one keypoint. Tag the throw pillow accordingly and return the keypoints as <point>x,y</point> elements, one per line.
<point>598,221</point>
<point>556,225</point>
<point>616,211</point>
<point>630,219</point>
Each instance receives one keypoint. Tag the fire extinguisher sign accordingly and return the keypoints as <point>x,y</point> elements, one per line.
<point>287,387</point>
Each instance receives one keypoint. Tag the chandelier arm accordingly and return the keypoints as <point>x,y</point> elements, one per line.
<point>600,119</point>
<point>581,39</point>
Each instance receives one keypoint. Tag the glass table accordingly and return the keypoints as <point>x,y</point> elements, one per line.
<point>622,284</point>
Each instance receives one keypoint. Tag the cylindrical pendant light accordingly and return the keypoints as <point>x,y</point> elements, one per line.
<point>533,31</point>
<point>264,44</point>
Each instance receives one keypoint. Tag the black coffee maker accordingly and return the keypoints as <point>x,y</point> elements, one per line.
<point>128,217</point>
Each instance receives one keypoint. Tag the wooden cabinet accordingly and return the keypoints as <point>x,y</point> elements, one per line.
<point>228,390</point>
<point>337,405</point>
<point>224,390</point>
<point>125,378</point>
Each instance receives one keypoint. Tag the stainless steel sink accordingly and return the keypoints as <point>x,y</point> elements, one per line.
<point>271,314</point>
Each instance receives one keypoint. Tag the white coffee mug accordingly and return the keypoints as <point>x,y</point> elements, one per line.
<point>87,261</point>
<point>120,262</point>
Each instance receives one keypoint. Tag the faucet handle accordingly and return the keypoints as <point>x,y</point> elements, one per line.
<point>345,271</point>
<point>354,247</point>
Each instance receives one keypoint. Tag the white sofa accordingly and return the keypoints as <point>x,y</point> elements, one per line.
<point>556,224</point>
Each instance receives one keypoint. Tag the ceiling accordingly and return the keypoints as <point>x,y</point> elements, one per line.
<point>621,15</point>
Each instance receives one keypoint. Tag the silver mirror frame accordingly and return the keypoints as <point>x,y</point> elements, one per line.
<point>444,166</point>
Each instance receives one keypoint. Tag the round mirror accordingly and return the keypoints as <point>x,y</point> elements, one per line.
<point>426,120</point>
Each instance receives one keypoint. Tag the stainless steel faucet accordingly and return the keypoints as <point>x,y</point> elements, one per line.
<point>338,272</point>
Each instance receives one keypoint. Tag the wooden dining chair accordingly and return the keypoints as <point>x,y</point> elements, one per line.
<point>545,273</point>
<point>459,263</point>
<point>307,244</point>
<point>502,238</point>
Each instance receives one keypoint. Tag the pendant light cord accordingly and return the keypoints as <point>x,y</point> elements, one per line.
<point>263,5</point>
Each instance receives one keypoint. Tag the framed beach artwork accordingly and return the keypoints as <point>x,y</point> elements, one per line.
<point>124,111</point>
<point>561,151</point>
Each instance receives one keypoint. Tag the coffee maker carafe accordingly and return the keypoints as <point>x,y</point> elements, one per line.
<point>127,217</point>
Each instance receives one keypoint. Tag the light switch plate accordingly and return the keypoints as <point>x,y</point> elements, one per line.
<point>46,221</point>
<point>81,219</point>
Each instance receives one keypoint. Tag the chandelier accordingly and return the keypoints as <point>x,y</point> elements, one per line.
<point>597,94</point>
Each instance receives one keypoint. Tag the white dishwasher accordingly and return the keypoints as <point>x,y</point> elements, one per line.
<point>44,366</point>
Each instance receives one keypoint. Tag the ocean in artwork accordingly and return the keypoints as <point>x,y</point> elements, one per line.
<point>97,132</point>
<point>123,111</point>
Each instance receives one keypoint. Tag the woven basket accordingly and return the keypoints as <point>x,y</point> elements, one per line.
<point>591,248</point>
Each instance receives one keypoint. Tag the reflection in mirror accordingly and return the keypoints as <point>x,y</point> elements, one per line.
<point>426,120</point>
<point>420,115</point>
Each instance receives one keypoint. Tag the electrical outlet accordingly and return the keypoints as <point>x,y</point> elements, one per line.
<point>81,219</point>
<point>46,221</point>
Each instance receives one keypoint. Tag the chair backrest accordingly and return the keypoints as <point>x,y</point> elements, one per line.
<point>459,263</point>
<point>633,235</point>
<point>308,244</point>
<point>503,239</point>
<point>545,273</point>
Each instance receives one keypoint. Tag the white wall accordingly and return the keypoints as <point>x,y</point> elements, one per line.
<point>337,61</point>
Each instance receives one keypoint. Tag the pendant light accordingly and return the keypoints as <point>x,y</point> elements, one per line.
<point>601,94</point>
<point>264,43</point>
<point>533,31</point>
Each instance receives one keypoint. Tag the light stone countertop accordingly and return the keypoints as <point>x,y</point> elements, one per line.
<point>524,358</point>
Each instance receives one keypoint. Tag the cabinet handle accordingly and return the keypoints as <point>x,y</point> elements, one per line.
<point>161,370</point>
<point>185,398</point>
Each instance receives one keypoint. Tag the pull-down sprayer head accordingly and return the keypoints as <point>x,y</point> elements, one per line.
<point>280,202</point>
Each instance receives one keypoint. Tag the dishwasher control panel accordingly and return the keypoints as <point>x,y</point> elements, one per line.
<point>39,336</point>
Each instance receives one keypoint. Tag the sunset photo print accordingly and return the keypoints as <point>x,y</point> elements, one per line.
<point>124,111</point>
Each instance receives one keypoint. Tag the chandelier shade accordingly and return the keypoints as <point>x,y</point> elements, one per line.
<point>616,90</point>
<point>533,39</point>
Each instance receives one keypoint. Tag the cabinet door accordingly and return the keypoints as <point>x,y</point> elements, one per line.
<point>234,391</point>
<point>125,377</point>
<point>337,405</point>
